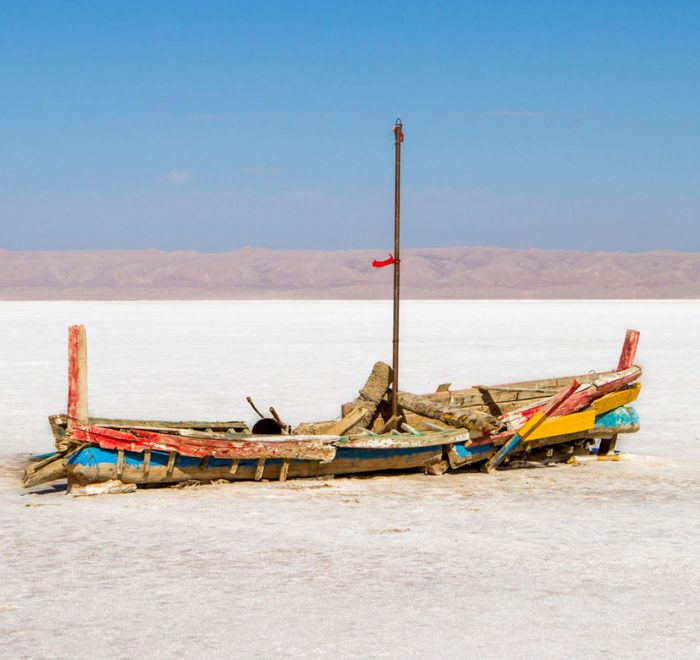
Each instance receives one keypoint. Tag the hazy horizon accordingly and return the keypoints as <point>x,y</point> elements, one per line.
<point>429,273</point>
<point>378,249</point>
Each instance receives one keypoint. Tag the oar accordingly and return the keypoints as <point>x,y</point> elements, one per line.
<point>529,426</point>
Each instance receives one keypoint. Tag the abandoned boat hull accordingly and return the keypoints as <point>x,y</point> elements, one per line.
<point>550,418</point>
<point>92,464</point>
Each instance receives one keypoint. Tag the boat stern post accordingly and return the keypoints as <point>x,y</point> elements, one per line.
<point>77,377</point>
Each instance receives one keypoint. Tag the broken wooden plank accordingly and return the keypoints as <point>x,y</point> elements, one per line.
<point>371,395</point>
<point>533,423</point>
<point>47,470</point>
<point>353,418</point>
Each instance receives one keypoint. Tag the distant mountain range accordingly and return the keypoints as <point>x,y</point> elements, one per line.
<point>255,273</point>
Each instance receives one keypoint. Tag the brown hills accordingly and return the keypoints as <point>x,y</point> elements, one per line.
<point>251,273</point>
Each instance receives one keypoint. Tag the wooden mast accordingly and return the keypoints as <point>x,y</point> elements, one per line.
<point>398,139</point>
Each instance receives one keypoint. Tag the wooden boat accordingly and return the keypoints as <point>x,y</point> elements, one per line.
<point>384,429</point>
<point>448,429</point>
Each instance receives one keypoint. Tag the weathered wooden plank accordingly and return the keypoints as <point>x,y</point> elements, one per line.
<point>50,470</point>
<point>377,384</point>
<point>508,395</point>
<point>284,470</point>
<point>425,423</point>
<point>59,423</point>
<point>38,462</point>
<point>77,376</point>
<point>259,469</point>
<point>616,399</point>
<point>473,420</point>
<point>300,447</point>
<point>433,427</point>
<point>511,393</point>
<point>459,455</point>
<point>561,425</point>
<point>629,350</point>
<point>146,463</point>
<point>371,395</point>
<point>313,428</point>
<point>399,441</point>
<point>346,423</point>
<point>599,388</point>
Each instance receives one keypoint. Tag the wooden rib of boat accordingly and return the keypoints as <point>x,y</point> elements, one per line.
<point>448,429</point>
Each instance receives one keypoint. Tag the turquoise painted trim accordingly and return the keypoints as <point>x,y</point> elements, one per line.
<point>623,416</point>
<point>39,457</point>
<point>470,452</point>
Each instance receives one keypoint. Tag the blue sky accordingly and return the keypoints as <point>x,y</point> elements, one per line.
<point>216,125</point>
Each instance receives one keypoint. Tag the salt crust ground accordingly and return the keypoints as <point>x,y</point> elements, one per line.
<point>592,561</point>
<point>596,561</point>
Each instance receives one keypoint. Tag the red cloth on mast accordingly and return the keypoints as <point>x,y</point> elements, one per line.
<point>386,262</point>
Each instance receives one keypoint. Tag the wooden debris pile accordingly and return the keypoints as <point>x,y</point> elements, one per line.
<point>371,411</point>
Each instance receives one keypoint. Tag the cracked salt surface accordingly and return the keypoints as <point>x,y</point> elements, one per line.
<point>593,561</point>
